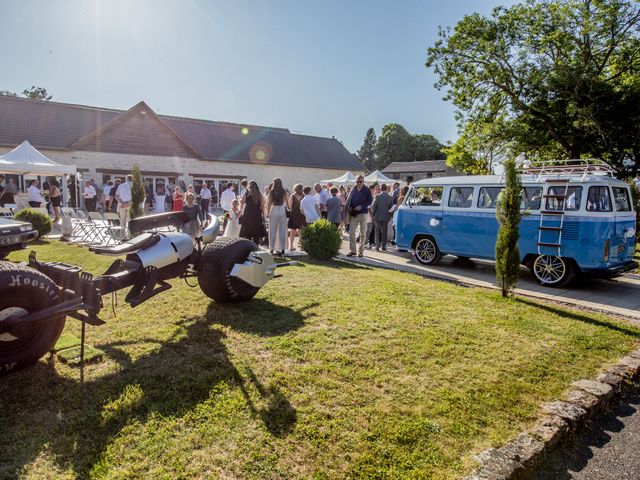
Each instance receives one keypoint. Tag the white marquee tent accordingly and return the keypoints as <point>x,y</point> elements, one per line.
<point>378,177</point>
<point>347,178</point>
<point>27,160</point>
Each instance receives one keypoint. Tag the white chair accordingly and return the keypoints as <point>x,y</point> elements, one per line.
<point>117,229</point>
<point>6,212</point>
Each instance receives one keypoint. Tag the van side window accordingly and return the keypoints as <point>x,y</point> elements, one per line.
<point>531,197</point>
<point>557,199</point>
<point>621,197</point>
<point>598,200</point>
<point>489,196</point>
<point>460,197</point>
<point>426,197</point>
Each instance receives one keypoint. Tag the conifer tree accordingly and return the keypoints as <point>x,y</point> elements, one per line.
<point>508,214</point>
<point>367,152</point>
<point>137,193</point>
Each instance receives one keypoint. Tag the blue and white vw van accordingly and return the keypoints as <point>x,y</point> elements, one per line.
<point>576,221</point>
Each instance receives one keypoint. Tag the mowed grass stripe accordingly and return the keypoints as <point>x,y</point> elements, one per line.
<point>333,371</point>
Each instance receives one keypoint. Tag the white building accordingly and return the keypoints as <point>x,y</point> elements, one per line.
<point>105,144</point>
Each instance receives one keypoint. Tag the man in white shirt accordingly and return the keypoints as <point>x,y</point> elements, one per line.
<point>34,195</point>
<point>89,195</point>
<point>309,206</point>
<point>226,200</point>
<point>160,198</point>
<point>123,196</point>
<point>324,196</point>
<point>205,199</point>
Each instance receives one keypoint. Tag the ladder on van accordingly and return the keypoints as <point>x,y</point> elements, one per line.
<point>551,220</point>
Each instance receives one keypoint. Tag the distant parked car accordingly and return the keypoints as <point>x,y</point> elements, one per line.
<point>14,235</point>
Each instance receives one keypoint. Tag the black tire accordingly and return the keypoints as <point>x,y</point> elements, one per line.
<point>218,258</point>
<point>24,290</point>
<point>426,251</point>
<point>552,271</point>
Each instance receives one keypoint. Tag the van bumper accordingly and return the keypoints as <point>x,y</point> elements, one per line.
<point>611,271</point>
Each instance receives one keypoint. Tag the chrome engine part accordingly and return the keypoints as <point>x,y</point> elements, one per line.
<point>258,269</point>
<point>212,230</point>
<point>173,247</point>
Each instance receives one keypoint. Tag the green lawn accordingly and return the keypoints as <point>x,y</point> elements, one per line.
<point>333,371</point>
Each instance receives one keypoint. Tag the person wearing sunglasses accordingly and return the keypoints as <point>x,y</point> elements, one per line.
<point>356,210</point>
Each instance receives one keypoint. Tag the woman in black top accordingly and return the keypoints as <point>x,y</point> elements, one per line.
<point>192,227</point>
<point>296,219</point>
<point>252,219</point>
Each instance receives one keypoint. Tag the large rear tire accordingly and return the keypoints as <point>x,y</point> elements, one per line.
<point>23,291</point>
<point>218,258</point>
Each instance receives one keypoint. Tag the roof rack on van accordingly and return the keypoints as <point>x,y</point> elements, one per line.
<point>567,168</point>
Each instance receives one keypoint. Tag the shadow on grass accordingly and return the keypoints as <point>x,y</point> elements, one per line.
<point>75,421</point>
<point>633,332</point>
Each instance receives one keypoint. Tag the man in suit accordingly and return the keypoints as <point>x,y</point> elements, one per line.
<point>380,212</point>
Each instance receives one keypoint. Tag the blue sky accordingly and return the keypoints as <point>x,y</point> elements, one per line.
<point>316,67</point>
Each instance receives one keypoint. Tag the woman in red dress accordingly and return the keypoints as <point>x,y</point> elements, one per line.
<point>177,199</point>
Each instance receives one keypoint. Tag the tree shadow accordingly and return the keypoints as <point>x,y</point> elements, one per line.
<point>75,421</point>
<point>572,315</point>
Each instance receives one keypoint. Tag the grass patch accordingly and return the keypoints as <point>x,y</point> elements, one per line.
<point>333,371</point>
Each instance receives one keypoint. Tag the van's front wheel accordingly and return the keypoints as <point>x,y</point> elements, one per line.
<point>552,271</point>
<point>426,251</point>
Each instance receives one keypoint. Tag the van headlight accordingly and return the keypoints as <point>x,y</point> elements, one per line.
<point>26,228</point>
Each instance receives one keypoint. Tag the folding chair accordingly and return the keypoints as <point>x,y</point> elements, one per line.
<point>118,231</point>
<point>81,227</point>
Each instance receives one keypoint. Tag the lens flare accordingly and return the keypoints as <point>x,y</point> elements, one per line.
<point>245,131</point>
<point>260,152</point>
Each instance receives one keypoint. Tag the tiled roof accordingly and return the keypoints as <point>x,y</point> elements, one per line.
<point>53,125</point>
<point>415,167</point>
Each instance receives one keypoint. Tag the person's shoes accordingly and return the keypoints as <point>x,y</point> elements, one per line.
<point>360,255</point>
<point>377,249</point>
<point>351,254</point>
<point>384,249</point>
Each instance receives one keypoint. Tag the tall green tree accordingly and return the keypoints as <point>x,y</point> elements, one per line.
<point>367,152</point>
<point>562,75</point>
<point>426,147</point>
<point>508,215</point>
<point>479,148</point>
<point>394,145</point>
<point>137,193</point>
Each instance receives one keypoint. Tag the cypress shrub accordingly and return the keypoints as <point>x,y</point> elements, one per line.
<point>508,214</point>
<point>137,194</point>
<point>41,222</point>
<point>321,239</point>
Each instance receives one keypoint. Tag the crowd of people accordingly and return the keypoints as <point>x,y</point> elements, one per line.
<point>273,216</point>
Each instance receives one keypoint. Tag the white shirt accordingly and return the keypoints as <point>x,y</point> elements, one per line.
<point>324,196</point>
<point>308,207</point>
<point>160,199</point>
<point>89,192</point>
<point>123,193</point>
<point>33,194</point>
<point>205,193</point>
<point>226,199</point>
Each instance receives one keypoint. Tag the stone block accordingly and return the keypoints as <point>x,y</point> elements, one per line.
<point>498,465</point>
<point>623,371</point>
<point>635,354</point>
<point>551,431</point>
<point>573,414</point>
<point>615,381</point>
<point>631,362</point>
<point>602,391</point>
<point>524,449</point>
<point>588,402</point>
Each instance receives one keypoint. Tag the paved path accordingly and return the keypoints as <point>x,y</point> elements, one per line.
<point>606,451</point>
<point>620,296</point>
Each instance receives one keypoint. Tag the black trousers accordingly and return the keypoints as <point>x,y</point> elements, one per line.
<point>90,204</point>
<point>204,208</point>
<point>34,204</point>
<point>381,233</point>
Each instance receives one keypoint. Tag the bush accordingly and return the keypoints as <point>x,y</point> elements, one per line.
<point>41,222</point>
<point>321,240</point>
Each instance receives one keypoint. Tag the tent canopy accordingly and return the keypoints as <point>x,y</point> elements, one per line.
<point>378,177</point>
<point>27,160</point>
<point>347,178</point>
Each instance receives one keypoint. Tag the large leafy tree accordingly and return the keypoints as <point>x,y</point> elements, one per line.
<point>479,148</point>
<point>394,145</point>
<point>426,147</point>
<point>367,152</point>
<point>560,76</point>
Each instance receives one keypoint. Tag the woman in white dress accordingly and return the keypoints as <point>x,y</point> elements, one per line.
<point>233,225</point>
